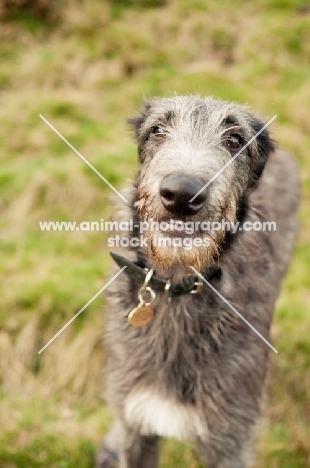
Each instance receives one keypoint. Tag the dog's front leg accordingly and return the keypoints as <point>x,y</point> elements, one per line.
<point>138,451</point>
<point>224,453</point>
<point>108,454</point>
<point>127,448</point>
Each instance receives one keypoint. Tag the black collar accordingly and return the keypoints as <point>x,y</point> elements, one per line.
<point>137,271</point>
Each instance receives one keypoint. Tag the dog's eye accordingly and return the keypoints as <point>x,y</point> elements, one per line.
<point>234,142</point>
<point>159,131</point>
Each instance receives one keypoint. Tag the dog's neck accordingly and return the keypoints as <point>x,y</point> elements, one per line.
<point>241,215</point>
<point>140,271</point>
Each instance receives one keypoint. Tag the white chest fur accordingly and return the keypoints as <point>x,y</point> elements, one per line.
<point>154,414</point>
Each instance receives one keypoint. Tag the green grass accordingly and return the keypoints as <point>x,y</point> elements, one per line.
<point>87,73</point>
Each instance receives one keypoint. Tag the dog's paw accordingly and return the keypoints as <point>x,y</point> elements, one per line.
<point>106,458</point>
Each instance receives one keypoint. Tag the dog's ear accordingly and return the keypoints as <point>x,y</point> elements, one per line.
<point>137,120</point>
<point>265,146</point>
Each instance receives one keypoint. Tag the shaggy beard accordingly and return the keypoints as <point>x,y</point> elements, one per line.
<point>168,259</point>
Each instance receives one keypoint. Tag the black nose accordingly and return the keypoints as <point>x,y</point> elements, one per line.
<point>177,190</point>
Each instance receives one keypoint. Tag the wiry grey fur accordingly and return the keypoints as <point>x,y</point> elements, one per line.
<point>196,356</point>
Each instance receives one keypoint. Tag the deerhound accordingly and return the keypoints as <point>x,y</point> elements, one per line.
<point>181,361</point>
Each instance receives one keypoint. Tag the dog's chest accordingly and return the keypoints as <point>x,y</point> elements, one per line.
<point>154,414</point>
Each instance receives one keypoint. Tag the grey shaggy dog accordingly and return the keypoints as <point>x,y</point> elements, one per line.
<point>196,371</point>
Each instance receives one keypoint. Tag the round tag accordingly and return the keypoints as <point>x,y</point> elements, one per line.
<point>141,315</point>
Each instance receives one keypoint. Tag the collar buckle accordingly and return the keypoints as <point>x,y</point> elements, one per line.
<point>197,286</point>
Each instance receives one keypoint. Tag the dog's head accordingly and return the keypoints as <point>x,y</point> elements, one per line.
<point>199,158</point>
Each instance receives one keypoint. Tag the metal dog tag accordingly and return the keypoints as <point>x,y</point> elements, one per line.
<point>141,315</point>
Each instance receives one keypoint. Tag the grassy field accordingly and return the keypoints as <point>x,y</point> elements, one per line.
<point>86,72</point>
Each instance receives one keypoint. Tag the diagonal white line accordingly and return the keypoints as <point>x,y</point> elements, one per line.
<point>83,308</point>
<point>235,310</point>
<point>236,155</point>
<point>84,159</point>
